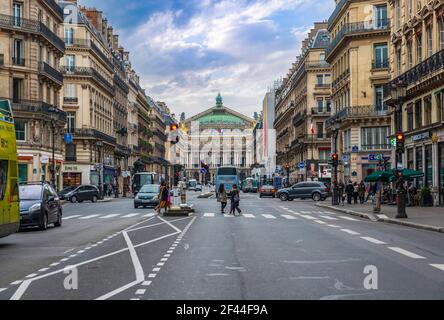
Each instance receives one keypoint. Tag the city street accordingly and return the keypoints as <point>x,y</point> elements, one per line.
<point>275,250</point>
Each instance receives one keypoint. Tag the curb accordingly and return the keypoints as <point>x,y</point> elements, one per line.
<point>375,218</point>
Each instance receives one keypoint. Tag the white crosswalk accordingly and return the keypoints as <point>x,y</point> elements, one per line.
<point>110,216</point>
<point>268,216</point>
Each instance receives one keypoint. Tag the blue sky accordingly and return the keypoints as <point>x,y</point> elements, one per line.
<point>187,51</point>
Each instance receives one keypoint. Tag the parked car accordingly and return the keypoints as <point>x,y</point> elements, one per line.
<point>198,187</point>
<point>39,206</point>
<point>148,196</point>
<point>81,193</point>
<point>315,190</point>
<point>267,191</point>
<point>64,192</point>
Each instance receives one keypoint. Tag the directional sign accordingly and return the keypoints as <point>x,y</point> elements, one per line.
<point>203,171</point>
<point>301,165</point>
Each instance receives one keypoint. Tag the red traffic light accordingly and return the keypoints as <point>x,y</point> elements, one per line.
<point>400,137</point>
<point>174,127</point>
<point>334,157</point>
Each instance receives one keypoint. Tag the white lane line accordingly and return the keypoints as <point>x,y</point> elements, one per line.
<point>229,215</point>
<point>64,259</point>
<point>305,212</point>
<point>149,215</point>
<point>329,218</point>
<point>146,283</point>
<point>351,232</point>
<point>89,217</point>
<point>171,225</point>
<point>2,289</point>
<point>156,269</point>
<point>164,259</point>
<point>140,292</point>
<point>16,282</point>
<point>32,275</point>
<point>438,266</point>
<point>348,218</point>
<point>209,215</point>
<point>54,264</point>
<point>334,226</point>
<point>71,217</point>
<point>287,216</point>
<point>320,222</point>
<point>373,240</point>
<point>140,275</point>
<point>308,217</point>
<point>249,215</point>
<point>43,269</point>
<point>268,216</point>
<point>131,215</point>
<point>161,264</point>
<point>170,251</point>
<point>109,216</point>
<point>328,212</point>
<point>406,253</point>
<point>152,275</point>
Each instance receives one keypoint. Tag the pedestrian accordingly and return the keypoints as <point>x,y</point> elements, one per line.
<point>163,197</point>
<point>110,190</point>
<point>341,193</point>
<point>355,192</point>
<point>222,197</point>
<point>369,191</point>
<point>235,199</point>
<point>349,191</point>
<point>361,192</point>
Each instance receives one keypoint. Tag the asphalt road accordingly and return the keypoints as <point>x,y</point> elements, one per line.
<point>275,250</point>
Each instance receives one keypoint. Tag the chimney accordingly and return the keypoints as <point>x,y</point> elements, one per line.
<point>104,29</point>
<point>109,34</point>
<point>116,44</point>
<point>94,16</point>
<point>121,51</point>
<point>126,56</point>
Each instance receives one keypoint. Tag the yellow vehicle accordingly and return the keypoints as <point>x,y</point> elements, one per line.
<point>9,197</point>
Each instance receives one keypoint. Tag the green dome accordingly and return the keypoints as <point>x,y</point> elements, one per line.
<point>221,119</point>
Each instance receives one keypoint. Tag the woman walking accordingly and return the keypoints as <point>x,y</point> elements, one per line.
<point>235,199</point>
<point>163,197</point>
<point>222,197</point>
<point>361,192</point>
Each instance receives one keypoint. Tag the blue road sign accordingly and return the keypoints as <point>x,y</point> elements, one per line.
<point>301,165</point>
<point>68,138</point>
<point>203,171</point>
<point>345,157</point>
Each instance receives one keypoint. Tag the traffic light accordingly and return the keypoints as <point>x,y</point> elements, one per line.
<point>173,127</point>
<point>335,159</point>
<point>400,142</point>
<point>173,133</point>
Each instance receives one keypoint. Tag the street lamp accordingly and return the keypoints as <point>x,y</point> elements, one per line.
<point>53,117</point>
<point>287,166</point>
<point>397,94</point>
<point>335,197</point>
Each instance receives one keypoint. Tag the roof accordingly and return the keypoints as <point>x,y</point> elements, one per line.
<point>221,119</point>
<point>322,40</point>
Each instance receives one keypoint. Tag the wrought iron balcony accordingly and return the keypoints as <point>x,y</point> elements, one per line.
<point>356,28</point>
<point>122,85</point>
<point>356,112</point>
<point>421,70</point>
<point>317,137</point>
<point>134,149</point>
<point>317,64</point>
<point>51,73</point>
<point>55,7</point>
<point>18,61</point>
<point>380,64</point>
<point>90,72</point>
<point>38,108</point>
<point>93,133</point>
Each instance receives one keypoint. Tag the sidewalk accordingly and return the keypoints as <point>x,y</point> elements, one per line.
<point>430,218</point>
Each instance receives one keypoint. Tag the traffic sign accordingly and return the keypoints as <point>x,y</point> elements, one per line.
<point>203,171</point>
<point>68,138</point>
<point>345,157</point>
<point>301,165</point>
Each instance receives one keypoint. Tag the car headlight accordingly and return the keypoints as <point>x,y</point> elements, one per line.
<point>35,207</point>
<point>155,197</point>
<point>137,197</point>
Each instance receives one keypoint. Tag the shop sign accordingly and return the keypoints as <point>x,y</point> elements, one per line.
<point>355,149</point>
<point>70,168</point>
<point>44,159</point>
<point>421,136</point>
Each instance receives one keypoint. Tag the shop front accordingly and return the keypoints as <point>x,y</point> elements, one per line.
<point>75,175</point>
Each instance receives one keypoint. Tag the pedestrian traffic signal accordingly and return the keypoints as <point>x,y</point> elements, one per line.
<point>400,142</point>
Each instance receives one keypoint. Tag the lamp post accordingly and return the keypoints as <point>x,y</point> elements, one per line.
<point>53,117</point>
<point>287,167</point>
<point>335,197</point>
<point>398,93</point>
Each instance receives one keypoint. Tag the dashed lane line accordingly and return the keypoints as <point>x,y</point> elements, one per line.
<point>373,240</point>
<point>329,218</point>
<point>109,216</point>
<point>131,215</point>
<point>308,217</point>
<point>406,253</point>
<point>287,216</point>
<point>249,216</point>
<point>320,222</point>
<point>71,217</point>
<point>348,218</point>
<point>351,232</point>
<point>268,216</point>
<point>438,266</point>
<point>89,217</point>
<point>209,215</point>
<point>333,226</point>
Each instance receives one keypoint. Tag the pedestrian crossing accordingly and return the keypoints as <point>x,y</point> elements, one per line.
<point>109,216</point>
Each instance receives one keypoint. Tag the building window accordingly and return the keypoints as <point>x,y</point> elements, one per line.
<point>347,140</point>
<point>71,121</point>
<point>70,61</point>
<point>70,91</point>
<point>428,166</point>
<point>16,90</point>
<point>324,154</point>
<point>409,54</point>
<point>419,166</point>
<point>320,130</point>
<point>18,57</point>
<point>69,36</point>
<point>70,152</point>
<point>320,79</point>
<point>410,163</point>
<point>379,99</point>
<point>320,105</point>
<point>381,16</point>
<point>328,105</point>
<point>429,41</point>
<point>398,61</point>
<point>427,110</point>
<point>418,114</point>
<point>381,56</point>
<point>20,130</point>
<point>17,13</point>
<point>375,138</point>
<point>441,32</point>
<point>418,48</point>
<point>410,117</point>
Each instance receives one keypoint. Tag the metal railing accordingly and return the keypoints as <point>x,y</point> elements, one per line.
<point>356,112</point>
<point>70,100</point>
<point>341,77</point>
<point>38,107</point>
<point>322,85</point>
<point>50,72</point>
<point>93,133</point>
<point>381,64</point>
<point>317,137</point>
<point>87,43</point>
<point>18,61</point>
<point>89,72</point>
<point>298,118</point>
<point>119,81</point>
<point>54,6</point>
<point>385,146</point>
<point>358,27</point>
<point>317,64</point>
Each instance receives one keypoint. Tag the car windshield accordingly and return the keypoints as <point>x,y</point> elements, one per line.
<point>150,189</point>
<point>30,192</point>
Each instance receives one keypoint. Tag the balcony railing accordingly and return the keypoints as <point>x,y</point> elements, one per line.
<point>50,72</point>
<point>93,133</point>
<point>422,70</point>
<point>356,28</point>
<point>54,6</point>
<point>37,108</point>
<point>18,61</point>
<point>341,77</point>
<point>356,112</point>
<point>381,64</point>
<point>119,81</point>
<point>317,64</point>
<point>87,43</point>
<point>385,146</point>
<point>317,137</point>
<point>89,72</point>
<point>134,148</point>
<point>322,85</point>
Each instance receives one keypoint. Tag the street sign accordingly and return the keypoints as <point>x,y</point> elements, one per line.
<point>345,157</point>
<point>68,138</point>
<point>203,171</point>
<point>355,149</point>
<point>301,165</point>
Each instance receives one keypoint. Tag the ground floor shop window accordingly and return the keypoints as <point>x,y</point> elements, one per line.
<point>419,167</point>
<point>428,166</point>
<point>410,162</point>
<point>71,179</point>
<point>441,173</point>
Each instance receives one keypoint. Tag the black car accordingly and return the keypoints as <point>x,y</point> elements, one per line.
<point>39,206</point>
<point>315,190</point>
<point>267,191</point>
<point>80,194</point>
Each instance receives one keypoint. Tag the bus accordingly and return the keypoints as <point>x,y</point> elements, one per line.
<point>192,183</point>
<point>250,185</point>
<point>229,176</point>
<point>143,178</point>
<point>9,194</point>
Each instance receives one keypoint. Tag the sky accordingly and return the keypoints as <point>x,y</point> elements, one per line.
<point>185,52</point>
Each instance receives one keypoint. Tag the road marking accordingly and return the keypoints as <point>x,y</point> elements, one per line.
<point>170,251</point>
<point>164,259</point>
<point>171,225</point>
<point>110,216</point>
<point>74,255</point>
<point>348,218</point>
<point>156,269</point>
<point>373,240</point>
<point>16,282</point>
<point>2,289</point>
<point>81,251</point>
<point>146,283</point>
<point>438,266</point>
<point>71,217</point>
<point>209,215</point>
<point>406,253</point>
<point>334,226</point>
<point>229,215</point>
<point>131,215</point>
<point>308,217</point>
<point>249,215</point>
<point>140,291</point>
<point>320,222</point>
<point>382,216</point>
<point>64,259</point>
<point>350,232</point>
<point>161,264</point>
<point>43,269</point>
<point>152,275</point>
<point>90,217</point>
<point>268,216</point>
<point>328,212</point>
<point>286,216</point>
<point>305,212</point>
<point>54,264</point>
<point>167,255</point>
<point>32,275</point>
<point>149,215</point>
<point>329,218</point>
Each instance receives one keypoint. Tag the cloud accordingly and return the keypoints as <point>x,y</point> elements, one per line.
<point>186,54</point>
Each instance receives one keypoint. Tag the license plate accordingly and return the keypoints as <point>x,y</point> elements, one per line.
<point>146,201</point>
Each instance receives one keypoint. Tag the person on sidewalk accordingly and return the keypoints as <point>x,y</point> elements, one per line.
<point>369,191</point>
<point>222,197</point>
<point>341,193</point>
<point>349,191</point>
<point>361,192</point>
<point>235,200</point>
